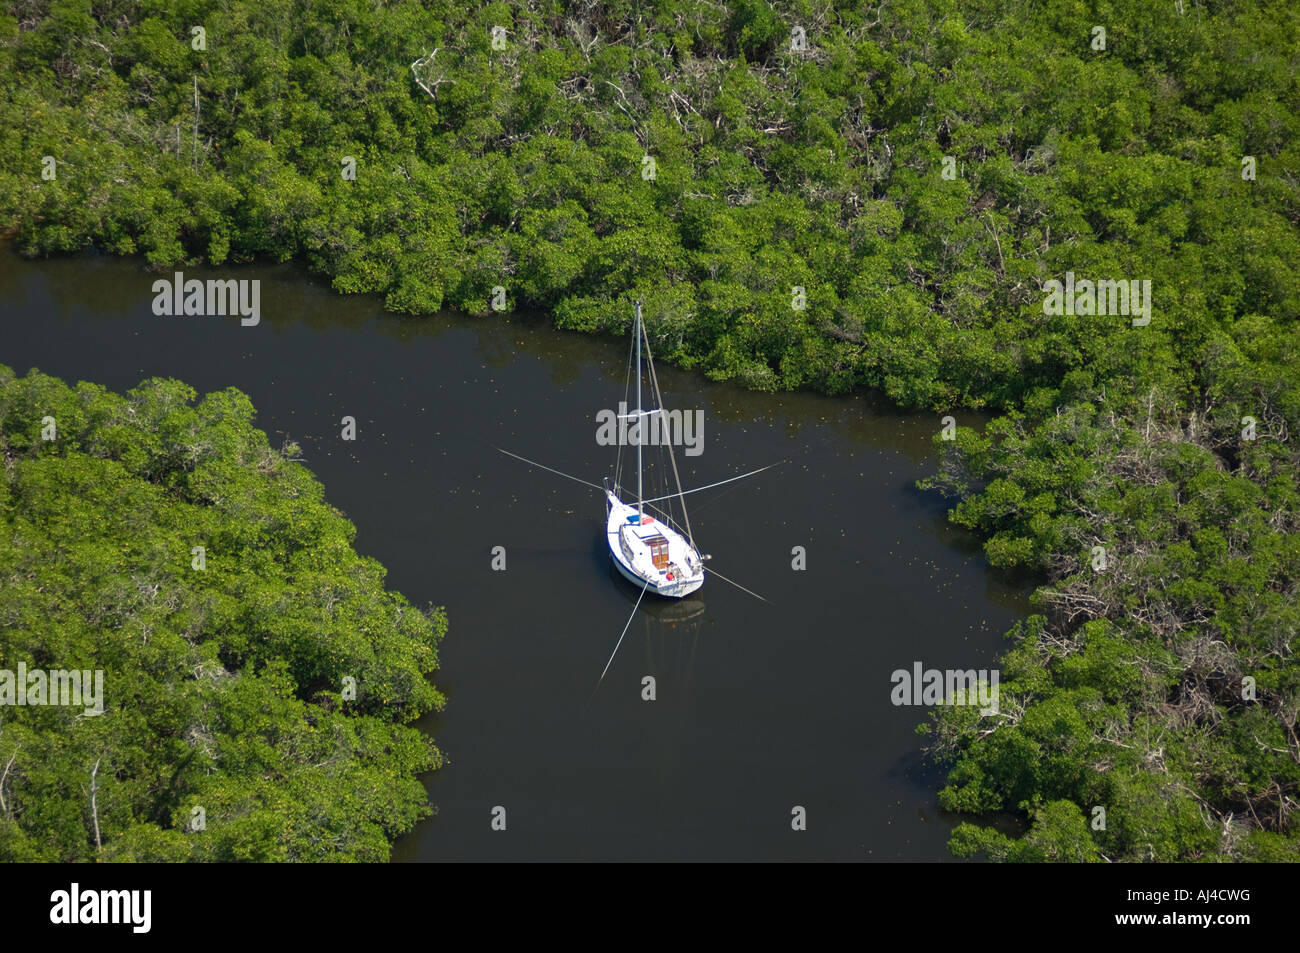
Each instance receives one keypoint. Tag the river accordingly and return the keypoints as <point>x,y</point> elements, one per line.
<point>759,709</point>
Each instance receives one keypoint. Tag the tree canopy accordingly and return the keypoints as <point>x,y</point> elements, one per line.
<point>230,728</point>
<point>826,194</point>
<point>774,168</point>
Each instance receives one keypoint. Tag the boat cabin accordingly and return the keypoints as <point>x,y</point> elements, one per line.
<point>658,550</point>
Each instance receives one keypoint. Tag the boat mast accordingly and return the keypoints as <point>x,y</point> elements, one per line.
<point>640,511</point>
<point>672,457</point>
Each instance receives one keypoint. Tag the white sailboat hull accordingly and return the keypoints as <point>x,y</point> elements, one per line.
<point>633,542</point>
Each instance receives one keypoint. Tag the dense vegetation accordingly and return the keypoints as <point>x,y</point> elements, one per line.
<point>224,686</point>
<point>819,168</point>
<point>1128,693</point>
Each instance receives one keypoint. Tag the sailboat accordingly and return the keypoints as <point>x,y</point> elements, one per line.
<point>650,549</point>
<point>650,552</point>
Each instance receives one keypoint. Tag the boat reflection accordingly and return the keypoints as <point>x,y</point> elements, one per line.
<point>669,612</point>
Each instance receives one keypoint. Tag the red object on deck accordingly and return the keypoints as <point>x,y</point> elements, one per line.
<point>647,519</point>
<point>670,577</point>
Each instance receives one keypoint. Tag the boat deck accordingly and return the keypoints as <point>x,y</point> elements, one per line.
<point>648,550</point>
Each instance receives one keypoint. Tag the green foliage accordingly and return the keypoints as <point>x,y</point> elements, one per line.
<point>1163,684</point>
<point>1058,833</point>
<point>775,168</point>
<point>224,688</point>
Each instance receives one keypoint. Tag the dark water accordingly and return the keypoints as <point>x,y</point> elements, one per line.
<point>759,708</point>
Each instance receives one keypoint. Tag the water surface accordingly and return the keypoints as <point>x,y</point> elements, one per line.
<point>759,708</point>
